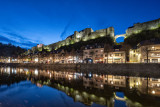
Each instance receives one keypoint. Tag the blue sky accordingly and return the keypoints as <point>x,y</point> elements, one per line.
<point>28,22</point>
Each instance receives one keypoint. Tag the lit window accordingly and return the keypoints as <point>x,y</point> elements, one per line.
<point>116,54</point>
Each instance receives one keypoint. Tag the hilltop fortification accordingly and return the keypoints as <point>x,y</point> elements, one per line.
<point>88,34</point>
<point>139,27</point>
<point>83,35</point>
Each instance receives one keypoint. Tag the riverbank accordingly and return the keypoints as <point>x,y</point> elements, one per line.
<point>131,69</point>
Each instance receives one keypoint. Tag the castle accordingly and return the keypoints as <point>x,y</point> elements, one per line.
<point>83,35</point>
<point>138,27</point>
<point>88,34</point>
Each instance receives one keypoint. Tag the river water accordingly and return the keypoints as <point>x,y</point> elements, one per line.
<point>22,87</point>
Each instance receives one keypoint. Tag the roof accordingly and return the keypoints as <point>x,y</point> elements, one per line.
<point>94,46</point>
<point>117,46</point>
<point>149,42</point>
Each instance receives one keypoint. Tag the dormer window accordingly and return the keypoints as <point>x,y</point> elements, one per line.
<point>116,49</point>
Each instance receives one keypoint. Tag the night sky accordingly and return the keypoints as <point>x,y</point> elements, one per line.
<point>28,22</point>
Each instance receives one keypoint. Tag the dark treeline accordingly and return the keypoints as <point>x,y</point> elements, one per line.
<point>9,50</point>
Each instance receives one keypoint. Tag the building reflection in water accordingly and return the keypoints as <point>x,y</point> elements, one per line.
<point>91,88</point>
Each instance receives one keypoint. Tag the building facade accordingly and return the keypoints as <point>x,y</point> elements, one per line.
<point>145,54</point>
<point>115,57</point>
<point>93,54</point>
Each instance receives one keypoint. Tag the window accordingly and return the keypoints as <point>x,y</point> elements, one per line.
<point>134,55</point>
<point>116,49</point>
<point>117,77</point>
<point>116,54</point>
<point>154,79</point>
<point>122,83</point>
<point>91,53</point>
<point>116,82</point>
<point>155,60</point>
<point>99,46</point>
<point>86,52</point>
<point>145,60</point>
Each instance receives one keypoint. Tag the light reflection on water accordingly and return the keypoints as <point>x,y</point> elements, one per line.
<point>21,87</point>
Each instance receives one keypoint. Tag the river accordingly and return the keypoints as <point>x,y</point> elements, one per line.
<point>23,87</point>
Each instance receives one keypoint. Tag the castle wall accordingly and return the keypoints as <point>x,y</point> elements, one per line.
<point>143,26</point>
<point>101,30</point>
<point>84,35</point>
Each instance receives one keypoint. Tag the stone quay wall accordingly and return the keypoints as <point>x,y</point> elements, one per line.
<point>40,66</point>
<point>130,69</point>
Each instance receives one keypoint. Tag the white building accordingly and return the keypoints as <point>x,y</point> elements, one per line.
<point>142,53</point>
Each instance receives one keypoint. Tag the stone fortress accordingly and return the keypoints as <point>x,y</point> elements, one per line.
<point>88,34</point>
<point>83,35</point>
<point>139,27</point>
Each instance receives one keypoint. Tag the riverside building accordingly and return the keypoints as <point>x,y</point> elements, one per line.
<point>116,55</point>
<point>93,54</point>
<point>149,53</point>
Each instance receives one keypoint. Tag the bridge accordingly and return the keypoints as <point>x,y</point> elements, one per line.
<point>117,36</point>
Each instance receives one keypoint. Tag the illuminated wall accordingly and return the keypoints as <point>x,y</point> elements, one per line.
<point>138,27</point>
<point>84,35</point>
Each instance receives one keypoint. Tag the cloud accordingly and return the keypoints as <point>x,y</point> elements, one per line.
<point>9,36</point>
<point>4,39</point>
<point>66,28</point>
<point>22,44</point>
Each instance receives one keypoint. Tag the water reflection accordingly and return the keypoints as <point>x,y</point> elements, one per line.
<point>89,89</point>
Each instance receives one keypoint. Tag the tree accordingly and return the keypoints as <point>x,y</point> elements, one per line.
<point>126,48</point>
<point>73,54</point>
<point>9,50</point>
<point>107,49</point>
<point>91,53</point>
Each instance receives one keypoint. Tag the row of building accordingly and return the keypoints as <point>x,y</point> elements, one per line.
<point>146,52</point>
